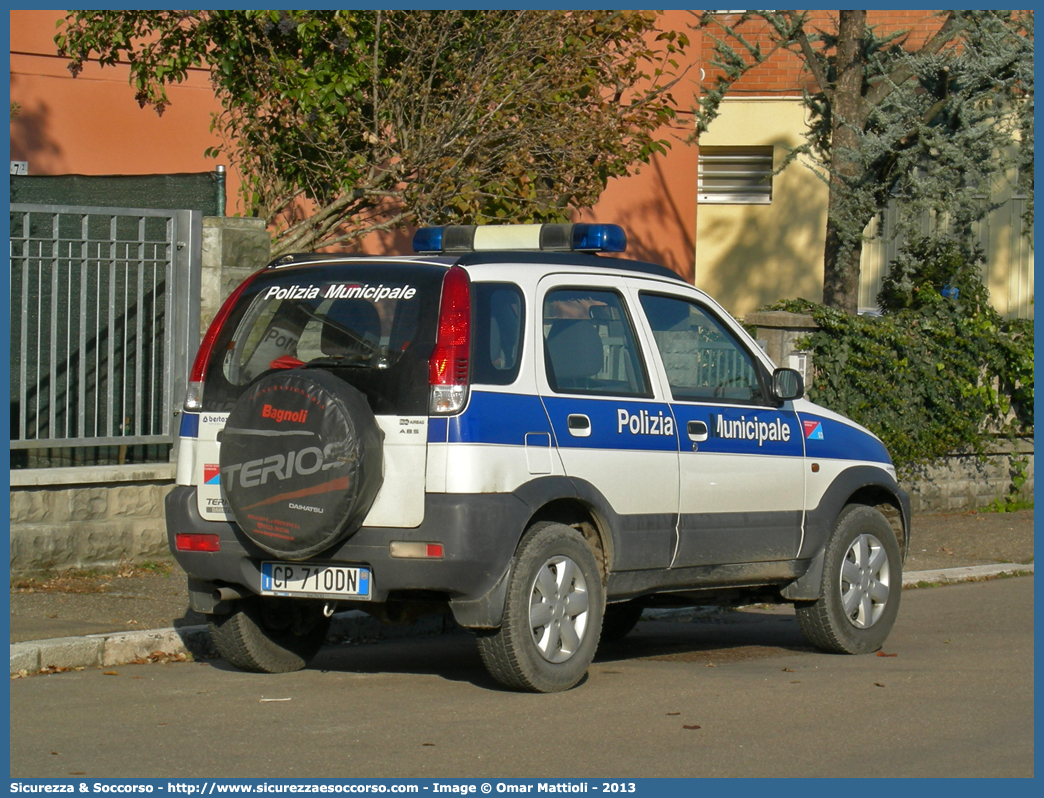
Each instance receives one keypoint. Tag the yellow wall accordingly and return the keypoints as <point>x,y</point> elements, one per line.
<point>750,255</point>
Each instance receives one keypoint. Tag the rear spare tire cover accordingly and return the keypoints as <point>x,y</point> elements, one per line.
<point>301,462</point>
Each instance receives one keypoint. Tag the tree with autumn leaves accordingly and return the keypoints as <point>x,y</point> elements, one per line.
<point>343,123</point>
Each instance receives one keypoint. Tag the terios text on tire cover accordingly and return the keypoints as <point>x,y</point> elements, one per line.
<point>520,426</point>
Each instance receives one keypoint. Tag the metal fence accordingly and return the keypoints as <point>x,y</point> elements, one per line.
<point>1008,271</point>
<point>104,316</point>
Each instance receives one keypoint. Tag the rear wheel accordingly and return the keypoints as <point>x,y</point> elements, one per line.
<point>270,635</point>
<point>552,616</point>
<point>620,619</point>
<point>862,583</point>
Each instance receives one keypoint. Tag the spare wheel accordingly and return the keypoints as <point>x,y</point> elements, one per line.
<point>301,462</point>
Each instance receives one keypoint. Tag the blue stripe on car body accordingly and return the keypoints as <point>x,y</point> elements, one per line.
<point>189,425</point>
<point>835,440</point>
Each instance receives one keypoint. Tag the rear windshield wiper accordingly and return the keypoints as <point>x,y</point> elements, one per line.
<point>346,361</point>
<point>370,347</point>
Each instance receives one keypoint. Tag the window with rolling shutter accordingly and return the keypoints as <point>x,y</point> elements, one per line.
<point>735,175</point>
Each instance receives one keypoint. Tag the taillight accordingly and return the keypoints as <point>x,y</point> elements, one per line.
<point>449,364</point>
<point>194,394</point>
<point>197,542</point>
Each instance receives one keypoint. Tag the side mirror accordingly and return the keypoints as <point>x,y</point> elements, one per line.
<point>787,384</point>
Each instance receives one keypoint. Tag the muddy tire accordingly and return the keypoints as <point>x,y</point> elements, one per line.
<point>862,585</point>
<point>552,616</point>
<point>301,462</point>
<point>270,635</point>
<point>620,619</point>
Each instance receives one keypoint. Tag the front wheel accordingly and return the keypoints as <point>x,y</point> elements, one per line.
<point>270,635</point>
<point>552,615</point>
<point>862,583</point>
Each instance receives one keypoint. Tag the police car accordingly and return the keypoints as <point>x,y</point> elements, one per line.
<point>516,426</point>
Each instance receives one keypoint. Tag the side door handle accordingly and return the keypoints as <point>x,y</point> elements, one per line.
<point>697,431</point>
<point>579,425</point>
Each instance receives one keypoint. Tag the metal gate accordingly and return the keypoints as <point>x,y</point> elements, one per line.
<point>1007,273</point>
<point>104,317</point>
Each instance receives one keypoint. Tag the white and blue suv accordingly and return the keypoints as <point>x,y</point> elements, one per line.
<point>542,439</point>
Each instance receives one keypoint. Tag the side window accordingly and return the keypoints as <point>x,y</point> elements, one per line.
<point>702,358</point>
<point>589,344</point>
<point>499,316</point>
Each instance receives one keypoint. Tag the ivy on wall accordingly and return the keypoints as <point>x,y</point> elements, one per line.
<point>939,372</point>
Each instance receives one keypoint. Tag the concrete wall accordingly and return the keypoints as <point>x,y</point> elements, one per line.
<point>966,483</point>
<point>233,249</point>
<point>97,517</point>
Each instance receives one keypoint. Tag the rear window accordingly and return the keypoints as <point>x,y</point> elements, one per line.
<point>371,323</point>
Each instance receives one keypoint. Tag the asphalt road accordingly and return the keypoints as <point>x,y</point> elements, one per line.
<point>734,695</point>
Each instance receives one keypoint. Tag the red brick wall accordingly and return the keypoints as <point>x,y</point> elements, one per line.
<point>784,74</point>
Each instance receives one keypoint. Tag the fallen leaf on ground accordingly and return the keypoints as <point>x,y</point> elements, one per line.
<point>110,673</point>
<point>882,654</point>
<point>690,727</point>
<point>673,713</point>
<point>878,684</point>
<point>788,670</point>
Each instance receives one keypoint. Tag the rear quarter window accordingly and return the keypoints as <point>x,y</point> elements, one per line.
<point>499,315</point>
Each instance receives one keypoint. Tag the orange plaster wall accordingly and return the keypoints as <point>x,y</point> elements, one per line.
<point>656,205</point>
<point>93,125</point>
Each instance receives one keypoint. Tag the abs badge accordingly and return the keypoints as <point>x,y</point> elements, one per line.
<point>813,430</point>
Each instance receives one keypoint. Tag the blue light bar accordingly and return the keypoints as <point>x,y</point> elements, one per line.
<point>599,238</point>
<point>525,237</point>
<point>428,239</point>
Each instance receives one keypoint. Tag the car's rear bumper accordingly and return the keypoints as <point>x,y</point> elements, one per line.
<point>478,533</point>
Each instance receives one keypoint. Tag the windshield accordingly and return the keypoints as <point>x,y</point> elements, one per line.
<point>376,319</point>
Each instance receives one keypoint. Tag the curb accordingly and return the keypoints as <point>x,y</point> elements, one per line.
<point>968,573</point>
<point>123,648</point>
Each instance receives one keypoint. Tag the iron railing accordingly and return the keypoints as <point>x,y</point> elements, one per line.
<point>104,318</point>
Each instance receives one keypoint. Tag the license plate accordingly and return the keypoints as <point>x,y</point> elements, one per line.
<point>314,580</point>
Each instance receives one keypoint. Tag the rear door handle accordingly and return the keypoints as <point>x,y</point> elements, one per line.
<point>697,431</point>
<point>579,425</point>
